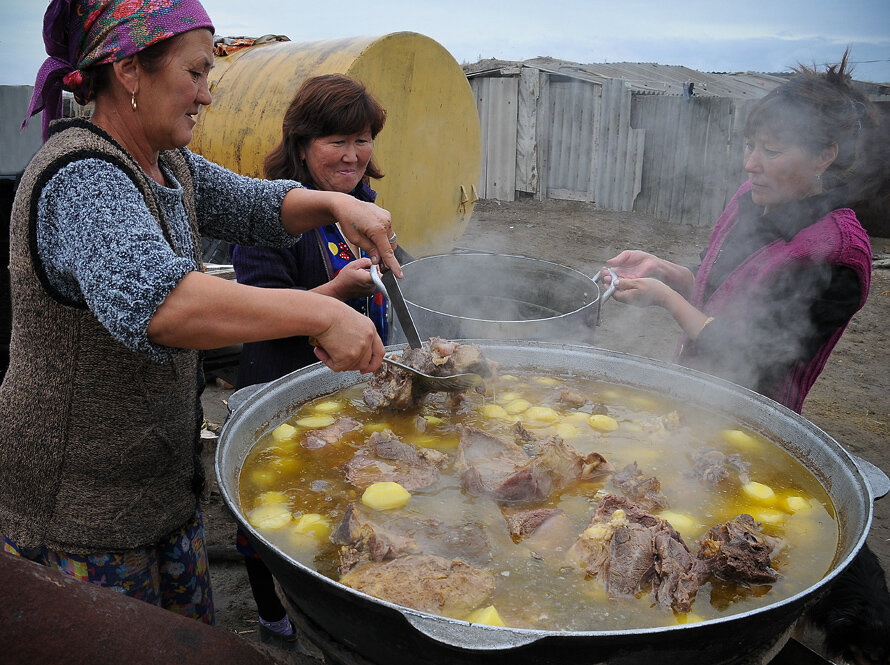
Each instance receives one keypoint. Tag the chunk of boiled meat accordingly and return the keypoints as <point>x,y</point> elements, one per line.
<point>319,438</point>
<point>453,358</point>
<point>424,582</point>
<point>738,552</point>
<point>391,387</point>
<point>524,523</point>
<point>679,573</point>
<point>490,466</point>
<point>388,458</point>
<point>713,467</point>
<point>572,399</point>
<point>394,388</point>
<point>364,539</point>
<point>643,490</point>
<point>366,535</point>
<point>630,550</point>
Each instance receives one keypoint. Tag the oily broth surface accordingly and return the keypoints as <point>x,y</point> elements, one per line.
<point>537,585</point>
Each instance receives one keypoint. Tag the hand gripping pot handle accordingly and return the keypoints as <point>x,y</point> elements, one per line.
<point>597,278</point>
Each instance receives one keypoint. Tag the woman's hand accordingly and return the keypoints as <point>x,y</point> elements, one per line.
<point>351,342</point>
<point>642,292</point>
<point>353,281</point>
<point>370,227</point>
<point>633,263</point>
<point>636,264</point>
<point>364,224</point>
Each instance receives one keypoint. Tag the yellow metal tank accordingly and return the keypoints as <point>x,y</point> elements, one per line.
<point>429,149</point>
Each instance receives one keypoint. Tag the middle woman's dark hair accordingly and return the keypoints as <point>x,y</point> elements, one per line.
<point>324,105</point>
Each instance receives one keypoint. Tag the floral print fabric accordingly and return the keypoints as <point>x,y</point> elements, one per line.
<point>172,574</point>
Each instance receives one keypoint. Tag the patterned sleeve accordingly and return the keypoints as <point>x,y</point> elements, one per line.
<point>100,246</point>
<point>238,209</point>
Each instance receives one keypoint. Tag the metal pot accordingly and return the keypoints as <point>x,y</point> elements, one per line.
<point>499,296</point>
<point>383,632</point>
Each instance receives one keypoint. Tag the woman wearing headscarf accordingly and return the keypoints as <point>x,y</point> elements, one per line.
<point>99,452</point>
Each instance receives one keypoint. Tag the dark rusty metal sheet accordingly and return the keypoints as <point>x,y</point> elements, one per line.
<point>49,617</point>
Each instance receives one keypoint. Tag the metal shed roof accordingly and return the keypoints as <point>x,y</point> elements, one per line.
<point>652,78</point>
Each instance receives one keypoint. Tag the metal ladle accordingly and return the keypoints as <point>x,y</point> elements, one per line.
<point>452,383</point>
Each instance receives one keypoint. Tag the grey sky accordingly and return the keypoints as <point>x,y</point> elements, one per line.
<point>709,35</point>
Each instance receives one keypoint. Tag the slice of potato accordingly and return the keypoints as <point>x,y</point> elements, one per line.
<point>385,496</point>
<point>284,432</point>
<point>602,422</point>
<point>487,615</point>
<point>315,422</point>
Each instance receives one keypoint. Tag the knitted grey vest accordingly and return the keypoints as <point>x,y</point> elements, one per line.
<point>98,446</point>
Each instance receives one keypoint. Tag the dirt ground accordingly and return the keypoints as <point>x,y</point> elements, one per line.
<point>850,401</point>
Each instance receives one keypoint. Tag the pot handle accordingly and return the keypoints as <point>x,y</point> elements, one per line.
<point>877,479</point>
<point>608,293</point>
<point>476,636</point>
<point>236,399</point>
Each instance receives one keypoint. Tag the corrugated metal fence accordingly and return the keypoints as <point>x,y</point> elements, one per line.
<point>555,136</point>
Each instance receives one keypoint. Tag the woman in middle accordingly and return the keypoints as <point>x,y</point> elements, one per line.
<point>327,140</point>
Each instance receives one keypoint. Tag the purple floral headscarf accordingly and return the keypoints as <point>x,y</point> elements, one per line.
<point>79,34</point>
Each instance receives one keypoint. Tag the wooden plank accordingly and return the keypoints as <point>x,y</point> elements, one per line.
<point>717,153</point>
<point>623,185</point>
<point>609,139</point>
<point>579,164</point>
<point>479,85</point>
<point>639,117</point>
<point>595,142</point>
<point>653,170</point>
<point>526,129</point>
<point>568,195</point>
<point>668,120</point>
<point>501,145</point>
<point>680,157</point>
<point>735,168</point>
<point>543,135</point>
<point>633,168</point>
<point>556,175</point>
<point>696,162</point>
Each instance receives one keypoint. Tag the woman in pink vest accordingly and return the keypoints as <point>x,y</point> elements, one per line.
<point>786,268</point>
<point>788,264</point>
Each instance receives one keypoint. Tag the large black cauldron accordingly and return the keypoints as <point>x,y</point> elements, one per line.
<point>392,634</point>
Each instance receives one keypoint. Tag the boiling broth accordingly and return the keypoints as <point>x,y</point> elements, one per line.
<point>537,584</point>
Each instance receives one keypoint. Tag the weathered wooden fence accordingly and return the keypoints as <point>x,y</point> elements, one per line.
<point>554,136</point>
<point>692,162</point>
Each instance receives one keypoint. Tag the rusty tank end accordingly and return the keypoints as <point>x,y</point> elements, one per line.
<point>49,617</point>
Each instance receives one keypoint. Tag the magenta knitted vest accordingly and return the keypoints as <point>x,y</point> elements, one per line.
<point>836,239</point>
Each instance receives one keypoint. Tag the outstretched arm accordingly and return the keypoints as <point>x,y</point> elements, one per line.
<point>207,312</point>
<point>367,225</point>
<point>648,291</point>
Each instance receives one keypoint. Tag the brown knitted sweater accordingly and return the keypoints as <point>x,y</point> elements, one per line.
<point>98,444</point>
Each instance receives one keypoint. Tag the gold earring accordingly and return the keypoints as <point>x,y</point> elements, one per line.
<point>133,99</point>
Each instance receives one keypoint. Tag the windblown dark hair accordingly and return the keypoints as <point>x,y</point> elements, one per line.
<point>324,105</point>
<point>816,109</point>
